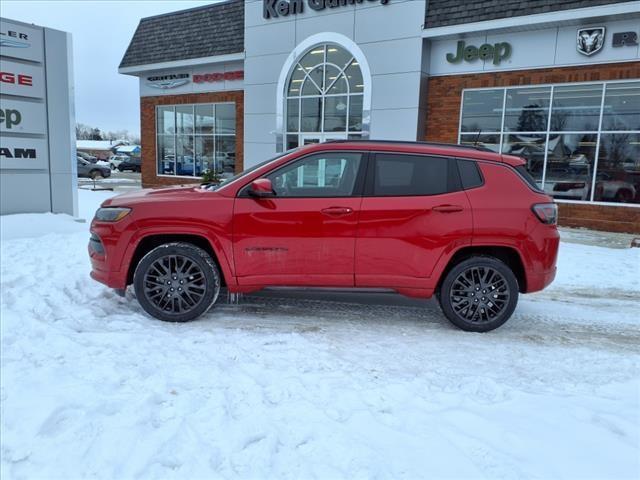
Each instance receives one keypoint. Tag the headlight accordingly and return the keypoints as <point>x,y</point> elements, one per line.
<point>112,214</point>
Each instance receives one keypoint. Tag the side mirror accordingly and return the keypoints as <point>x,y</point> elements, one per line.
<point>261,188</point>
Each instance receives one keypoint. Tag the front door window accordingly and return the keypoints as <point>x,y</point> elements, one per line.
<point>331,174</point>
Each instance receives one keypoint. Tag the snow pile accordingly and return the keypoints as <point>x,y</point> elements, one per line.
<point>300,388</point>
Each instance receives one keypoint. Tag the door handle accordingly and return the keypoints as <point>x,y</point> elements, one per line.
<point>447,208</point>
<point>337,211</point>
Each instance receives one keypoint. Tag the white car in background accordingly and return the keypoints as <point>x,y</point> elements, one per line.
<point>115,160</point>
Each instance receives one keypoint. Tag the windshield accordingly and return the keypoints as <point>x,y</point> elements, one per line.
<point>247,171</point>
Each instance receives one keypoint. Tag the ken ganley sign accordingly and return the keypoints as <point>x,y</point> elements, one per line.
<point>282,8</point>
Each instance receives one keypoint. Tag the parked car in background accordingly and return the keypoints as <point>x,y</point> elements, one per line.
<point>132,164</point>
<point>91,170</point>
<point>421,219</point>
<point>87,157</point>
<point>610,190</point>
<point>116,160</point>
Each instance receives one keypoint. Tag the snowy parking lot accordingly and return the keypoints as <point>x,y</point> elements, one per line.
<point>322,385</point>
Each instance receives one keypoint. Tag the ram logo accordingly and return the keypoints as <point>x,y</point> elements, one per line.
<point>590,40</point>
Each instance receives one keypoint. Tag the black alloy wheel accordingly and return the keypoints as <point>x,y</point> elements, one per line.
<point>177,282</point>
<point>479,294</point>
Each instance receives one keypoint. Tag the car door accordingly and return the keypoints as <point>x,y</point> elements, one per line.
<point>83,170</point>
<point>305,233</point>
<point>412,212</point>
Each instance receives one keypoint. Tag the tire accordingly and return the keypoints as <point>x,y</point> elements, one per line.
<point>95,174</point>
<point>161,299</point>
<point>624,196</point>
<point>464,286</point>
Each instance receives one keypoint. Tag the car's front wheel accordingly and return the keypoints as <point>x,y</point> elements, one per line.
<point>479,294</point>
<point>176,282</point>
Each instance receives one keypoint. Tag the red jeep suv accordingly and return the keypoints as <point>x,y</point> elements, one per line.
<point>462,222</point>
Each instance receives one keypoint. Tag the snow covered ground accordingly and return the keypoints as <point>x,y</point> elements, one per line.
<point>321,385</point>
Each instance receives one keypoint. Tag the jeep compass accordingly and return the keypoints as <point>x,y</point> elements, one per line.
<point>466,224</point>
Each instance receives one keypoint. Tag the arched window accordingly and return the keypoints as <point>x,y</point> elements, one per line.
<point>324,97</point>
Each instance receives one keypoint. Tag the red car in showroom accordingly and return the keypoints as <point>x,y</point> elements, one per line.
<point>466,224</point>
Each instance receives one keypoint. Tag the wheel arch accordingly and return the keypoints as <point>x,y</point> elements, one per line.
<point>508,255</point>
<point>152,240</point>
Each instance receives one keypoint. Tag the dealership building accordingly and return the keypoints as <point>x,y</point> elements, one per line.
<point>228,85</point>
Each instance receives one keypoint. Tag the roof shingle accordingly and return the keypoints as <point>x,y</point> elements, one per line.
<point>216,29</point>
<point>441,13</point>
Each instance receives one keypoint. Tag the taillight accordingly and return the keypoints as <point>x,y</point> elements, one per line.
<point>546,212</point>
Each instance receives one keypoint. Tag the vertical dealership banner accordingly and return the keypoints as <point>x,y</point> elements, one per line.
<point>37,147</point>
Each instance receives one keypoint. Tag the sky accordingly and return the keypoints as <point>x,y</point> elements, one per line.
<point>101,32</point>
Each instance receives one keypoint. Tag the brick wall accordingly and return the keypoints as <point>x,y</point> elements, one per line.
<point>148,132</point>
<point>443,116</point>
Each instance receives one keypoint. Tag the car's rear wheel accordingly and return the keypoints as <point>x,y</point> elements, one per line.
<point>176,282</point>
<point>479,294</point>
<point>624,196</point>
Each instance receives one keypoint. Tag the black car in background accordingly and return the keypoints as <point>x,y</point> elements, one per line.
<point>133,164</point>
<point>91,170</point>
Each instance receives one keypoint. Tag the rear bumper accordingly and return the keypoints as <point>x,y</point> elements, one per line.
<point>539,281</point>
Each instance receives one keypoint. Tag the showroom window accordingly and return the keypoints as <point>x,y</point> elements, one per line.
<point>581,142</point>
<point>193,139</point>
<point>324,97</point>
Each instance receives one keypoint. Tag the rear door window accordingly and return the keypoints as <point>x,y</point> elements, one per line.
<point>412,175</point>
<point>469,174</point>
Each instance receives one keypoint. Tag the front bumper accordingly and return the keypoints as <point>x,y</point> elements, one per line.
<point>100,268</point>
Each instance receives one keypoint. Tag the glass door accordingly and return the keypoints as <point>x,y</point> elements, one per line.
<point>311,138</point>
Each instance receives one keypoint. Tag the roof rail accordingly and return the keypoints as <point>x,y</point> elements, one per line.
<point>480,148</point>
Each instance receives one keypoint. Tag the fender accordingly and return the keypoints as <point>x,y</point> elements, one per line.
<point>447,256</point>
<point>205,233</point>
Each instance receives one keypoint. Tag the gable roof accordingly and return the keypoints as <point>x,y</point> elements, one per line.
<point>98,144</point>
<point>216,29</point>
<point>441,13</point>
<point>128,149</point>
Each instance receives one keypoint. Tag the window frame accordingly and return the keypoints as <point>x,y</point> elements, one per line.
<point>548,133</point>
<point>213,135</point>
<point>323,95</point>
<point>358,187</point>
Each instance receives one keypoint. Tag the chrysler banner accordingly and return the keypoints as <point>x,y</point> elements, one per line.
<point>21,41</point>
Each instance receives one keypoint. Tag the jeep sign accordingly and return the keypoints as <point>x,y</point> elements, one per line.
<point>17,116</point>
<point>496,53</point>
